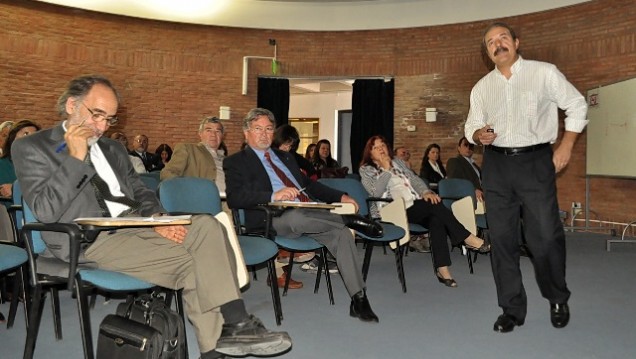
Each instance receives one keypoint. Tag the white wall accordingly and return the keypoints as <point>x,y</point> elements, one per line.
<point>323,106</point>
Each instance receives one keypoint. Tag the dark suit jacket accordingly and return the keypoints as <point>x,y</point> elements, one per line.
<point>57,186</point>
<point>458,167</point>
<point>152,162</point>
<point>248,185</point>
<point>428,173</point>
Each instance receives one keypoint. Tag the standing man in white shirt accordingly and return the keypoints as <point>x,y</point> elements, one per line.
<point>513,112</point>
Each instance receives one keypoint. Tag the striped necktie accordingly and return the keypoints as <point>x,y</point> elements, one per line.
<point>283,177</point>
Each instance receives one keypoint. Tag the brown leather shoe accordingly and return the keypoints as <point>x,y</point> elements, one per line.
<point>293,284</point>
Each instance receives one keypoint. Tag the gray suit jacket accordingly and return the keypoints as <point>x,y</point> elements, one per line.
<point>57,186</point>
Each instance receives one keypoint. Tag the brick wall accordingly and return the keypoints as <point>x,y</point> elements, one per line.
<point>171,75</point>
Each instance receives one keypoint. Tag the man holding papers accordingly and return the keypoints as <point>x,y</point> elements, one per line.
<point>260,174</point>
<point>91,176</point>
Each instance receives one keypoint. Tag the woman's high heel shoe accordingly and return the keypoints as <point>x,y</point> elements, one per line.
<point>484,248</point>
<point>447,282</point>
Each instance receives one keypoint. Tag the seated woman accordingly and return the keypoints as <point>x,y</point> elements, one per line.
<point>432,168</point>
<point>164,152</point>
<point>7,171</point>
<point>388,177</point>
<point>324,164</point>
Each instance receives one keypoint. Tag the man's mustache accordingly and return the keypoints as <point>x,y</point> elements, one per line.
<point>500,49</point>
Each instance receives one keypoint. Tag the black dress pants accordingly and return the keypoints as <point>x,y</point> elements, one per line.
<point>441,224</point>
<point>526,182</point>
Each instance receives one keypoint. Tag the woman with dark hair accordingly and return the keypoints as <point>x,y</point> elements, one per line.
<point>164,152</point>
<point>387,177</point>
<point>432,168</point>
<point>309,152</point>
<point>286,138</point>
<point>324,164</point>
<point>7,171</point>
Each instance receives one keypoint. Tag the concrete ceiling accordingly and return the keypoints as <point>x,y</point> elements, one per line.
<point>318,15</point>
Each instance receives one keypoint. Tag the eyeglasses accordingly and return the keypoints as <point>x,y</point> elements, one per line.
<point>99,117</point>
<point>259,129</point>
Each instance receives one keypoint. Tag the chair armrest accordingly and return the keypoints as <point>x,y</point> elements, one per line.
<point>240,228</point>
<point>75,236</point>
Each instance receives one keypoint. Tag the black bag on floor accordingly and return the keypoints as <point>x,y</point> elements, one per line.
<point>143,328</point>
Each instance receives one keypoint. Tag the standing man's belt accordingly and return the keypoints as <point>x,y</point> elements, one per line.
<point>516,151</point>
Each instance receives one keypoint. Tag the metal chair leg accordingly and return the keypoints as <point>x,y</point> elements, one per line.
<point>271,274</point>
<point>327,276</point>
<point>18,290</point>
<point>57,317</point>
<point>84,317</point>
<point>399,264</point>
<point>35,316</point>
<point>181,310</point>
<point>367,260</point>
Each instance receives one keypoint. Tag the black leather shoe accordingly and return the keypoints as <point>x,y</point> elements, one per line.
<point>368,227</point>
<point>361,309</point>
<point>250,337</point>
<point>559,314</point>
<point>506,323</point>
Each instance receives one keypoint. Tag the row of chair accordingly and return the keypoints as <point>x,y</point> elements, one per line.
<point>180,195</point>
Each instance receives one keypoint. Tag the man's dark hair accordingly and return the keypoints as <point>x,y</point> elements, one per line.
<point>79,87</point>
<point>484,47</point>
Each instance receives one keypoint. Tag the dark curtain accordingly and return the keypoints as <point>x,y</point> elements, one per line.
<point>273,94</point>
<point>372,106</point>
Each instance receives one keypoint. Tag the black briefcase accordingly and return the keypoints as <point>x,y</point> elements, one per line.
<point>123,338</point>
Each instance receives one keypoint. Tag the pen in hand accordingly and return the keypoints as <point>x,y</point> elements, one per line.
<point>63,145</point>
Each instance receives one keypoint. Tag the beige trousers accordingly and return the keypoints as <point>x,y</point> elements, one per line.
<point>203,265</point>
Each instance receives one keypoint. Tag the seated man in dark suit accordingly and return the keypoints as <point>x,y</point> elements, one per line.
<point>151,161</point>
<point>463,166</point>
<point>72,171</point>
<point>259,174</point>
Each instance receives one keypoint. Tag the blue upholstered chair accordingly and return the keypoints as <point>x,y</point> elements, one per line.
<point>13,260</point>
<point>199,195</point>
<point>392,233</point>
<point>151,180</point>
<point>84,280</point>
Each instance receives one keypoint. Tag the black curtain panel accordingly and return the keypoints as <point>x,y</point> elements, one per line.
<point>372,106</point>
<point>273,94</point>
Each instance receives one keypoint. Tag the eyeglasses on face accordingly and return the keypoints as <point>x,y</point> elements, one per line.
<point>259,129</point>
<point>98,116</point>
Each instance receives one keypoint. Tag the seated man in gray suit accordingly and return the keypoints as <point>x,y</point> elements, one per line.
<point>71,171</point>
<point>260,174</point>
<point>463,166</point>
<point>203,159</point>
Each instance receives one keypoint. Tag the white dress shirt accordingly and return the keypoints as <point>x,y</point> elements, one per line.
<point>523,109</point>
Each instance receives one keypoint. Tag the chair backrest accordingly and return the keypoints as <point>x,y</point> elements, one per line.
<point>151,180</point>
<point>17,200</point>
<point>453,189</point>
<point>190,195</point>
<point>353,188</point>
<point>36,238</point>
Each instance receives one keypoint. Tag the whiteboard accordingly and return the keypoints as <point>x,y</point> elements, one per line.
<point>611,132</point>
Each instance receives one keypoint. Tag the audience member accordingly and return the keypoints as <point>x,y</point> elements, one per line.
<point>203,159</point>
<point>137,163</point>
<point>5,127</point>
<point>286,139</point>
<point>387,177</point>
<point>309,151</point>
<point>19,129</point>
<point>403,154</point>
<point>59,186</point>
<point>432,168</point>
<point>324,164</point>
<point>259,175</point>
<point>151,161</point>
<point>464,166</point>
<point>513,113</point>
<point>164,152</point>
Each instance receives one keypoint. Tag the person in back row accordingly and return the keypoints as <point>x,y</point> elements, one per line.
<point>151,161</point>
<point>259,174</point>
<point>203,159</point>
<point>432,169</point>
<point>464,166</point>
<point>72,171</point>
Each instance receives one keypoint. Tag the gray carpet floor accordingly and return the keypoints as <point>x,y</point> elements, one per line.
<point>429,321</point>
